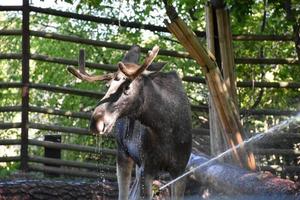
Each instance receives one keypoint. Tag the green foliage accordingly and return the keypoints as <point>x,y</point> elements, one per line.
<point>8,169</point>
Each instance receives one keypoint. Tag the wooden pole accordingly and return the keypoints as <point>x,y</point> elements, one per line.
<point>25,85</point>
<point>217,140</point>
<point>226,109</point>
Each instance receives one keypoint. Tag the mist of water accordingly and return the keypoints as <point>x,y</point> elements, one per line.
<point>280,127</point>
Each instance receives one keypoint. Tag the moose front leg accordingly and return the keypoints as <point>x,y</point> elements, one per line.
<point>146,186</point>
<point>142,186</point>
<point>124,169</point>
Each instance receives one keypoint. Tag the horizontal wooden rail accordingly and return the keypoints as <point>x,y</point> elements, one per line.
<point>102,20</point>
<point>273,112</point>
<point>267,61</point>
<point>69,163</point>
<point>11,8</point>
<point>7,85</point>
<point>279,84</point>
<point>72,172</point>
<point>11,32</point>
<point>10,142</point>
<point>72,147</point>
<point>271,151</point>
<point>250,84</point>
<point>200,131</point>
<point>8,56</point>
<point>66,90</point>
<point>9,125</point>
<point>109,67</point>
<point>10,159</point>
<point>86,115</point>
<point>11,109</point>
<point>51,111</point>
<point>199,108</point>
<point>38,57</point>
<point>82,115</point>
<point>255,37</point>
<point>97,43</point>
<point>278,168</point>
<point>55,128</point>
<point>236,37</point>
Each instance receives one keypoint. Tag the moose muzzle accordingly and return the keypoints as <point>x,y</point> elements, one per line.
<point>102,122</point>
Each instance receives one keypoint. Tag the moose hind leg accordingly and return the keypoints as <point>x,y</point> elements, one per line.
<point>178,188</point>
<point>124,169</point>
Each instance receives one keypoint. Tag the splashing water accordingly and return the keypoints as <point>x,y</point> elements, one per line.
<point>280,127</point>
<point>98,152</point>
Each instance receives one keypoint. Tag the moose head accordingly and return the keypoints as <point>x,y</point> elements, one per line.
<point>125,94</point>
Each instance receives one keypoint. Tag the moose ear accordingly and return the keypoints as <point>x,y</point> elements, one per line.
<point>154,68</point>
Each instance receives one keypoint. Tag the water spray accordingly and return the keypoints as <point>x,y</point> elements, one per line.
<point>257,137</point>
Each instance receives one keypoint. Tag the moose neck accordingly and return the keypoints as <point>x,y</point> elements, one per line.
<point>157,110</point>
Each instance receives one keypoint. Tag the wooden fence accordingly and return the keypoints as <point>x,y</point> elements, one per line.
<point>86,169</point>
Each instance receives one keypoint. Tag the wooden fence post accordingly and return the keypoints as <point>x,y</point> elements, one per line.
<point>52,153</point>
<point>217,140</point>
<point>25,84</point>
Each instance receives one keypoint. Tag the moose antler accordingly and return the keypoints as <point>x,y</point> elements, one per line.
<point>132,74</point>
<point>83,75</point>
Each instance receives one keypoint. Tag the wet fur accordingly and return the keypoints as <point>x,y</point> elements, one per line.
<point>157,138</point>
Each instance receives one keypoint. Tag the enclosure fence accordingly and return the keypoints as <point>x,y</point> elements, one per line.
<point>25,86</point>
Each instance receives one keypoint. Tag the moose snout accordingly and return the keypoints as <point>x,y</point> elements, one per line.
<point>97,121</point>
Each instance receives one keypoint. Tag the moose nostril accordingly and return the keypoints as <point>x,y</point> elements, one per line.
<point>98,114</point>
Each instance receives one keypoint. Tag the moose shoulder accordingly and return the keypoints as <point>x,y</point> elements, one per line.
<point>153,120</point>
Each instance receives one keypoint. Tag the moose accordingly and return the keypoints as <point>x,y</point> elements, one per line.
<point>152,116</point>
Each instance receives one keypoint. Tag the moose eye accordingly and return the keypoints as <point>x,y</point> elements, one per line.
<point>126,88</point>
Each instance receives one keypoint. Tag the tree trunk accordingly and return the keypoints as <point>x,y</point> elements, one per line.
<point>234,181</point>
<point>51,189</point>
